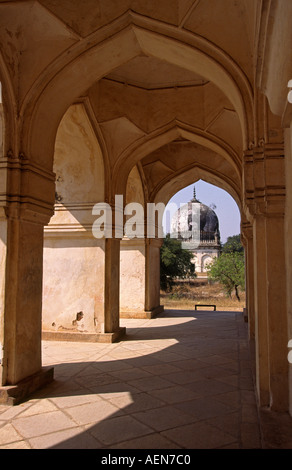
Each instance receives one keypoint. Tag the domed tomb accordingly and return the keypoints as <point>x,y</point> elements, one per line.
<point>197,226</point>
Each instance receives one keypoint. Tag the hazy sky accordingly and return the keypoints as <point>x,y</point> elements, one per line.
<point>226,208</point>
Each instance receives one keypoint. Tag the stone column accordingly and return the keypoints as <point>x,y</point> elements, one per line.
<point>288,245</point>
<point>247,237</point>
<point>152,297</point>
<point>271,312</point>
<point>277,310</point>
<point>266,202</point>
<point>276,274</point>
<point>287,125</point>
<point>112,289</point>
<point>261,310</point>
<point>27,198</point>
<point>264,178</point>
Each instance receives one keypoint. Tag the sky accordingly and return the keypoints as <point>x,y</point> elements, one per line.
<point>226,208</point>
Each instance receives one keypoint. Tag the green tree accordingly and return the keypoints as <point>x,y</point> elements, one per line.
<point>175,261</point>
<point>228,269</point>
<point>233,244</point>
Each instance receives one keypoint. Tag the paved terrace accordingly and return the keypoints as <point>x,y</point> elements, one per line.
<point>181,381</point>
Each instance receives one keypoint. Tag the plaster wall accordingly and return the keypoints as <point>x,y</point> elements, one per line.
<point>74,274</point>
<point>132,277</point>
<point>132,257</point>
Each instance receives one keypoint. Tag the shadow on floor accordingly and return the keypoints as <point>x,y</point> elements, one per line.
<point>183,381</point>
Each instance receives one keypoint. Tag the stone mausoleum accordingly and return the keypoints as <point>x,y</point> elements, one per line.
<point>197,226</point>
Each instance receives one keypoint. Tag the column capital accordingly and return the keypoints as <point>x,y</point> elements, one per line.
<point>125,241</point>
<point>264,180</point>
<point>27,190</point>
<point>246,231</point>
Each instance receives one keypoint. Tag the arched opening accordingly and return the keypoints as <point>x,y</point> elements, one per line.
<point>197,288</point>
<point>74,260</point>
<point>166,162</point>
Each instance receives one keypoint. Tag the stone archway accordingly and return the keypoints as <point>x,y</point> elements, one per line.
<point>37,95</point>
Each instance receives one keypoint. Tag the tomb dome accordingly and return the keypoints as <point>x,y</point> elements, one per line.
<point>196,217</point>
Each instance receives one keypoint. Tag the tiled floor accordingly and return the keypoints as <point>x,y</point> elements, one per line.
<point>180,381</point>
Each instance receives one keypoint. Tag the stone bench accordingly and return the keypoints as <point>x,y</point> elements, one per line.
<point>204,305</point>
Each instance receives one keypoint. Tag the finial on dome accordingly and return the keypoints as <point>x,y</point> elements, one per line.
<point>194,196</point>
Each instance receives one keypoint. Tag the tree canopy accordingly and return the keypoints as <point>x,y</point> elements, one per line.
<point>228,268</point>
<point>175,261</point>
<point>233,244</point>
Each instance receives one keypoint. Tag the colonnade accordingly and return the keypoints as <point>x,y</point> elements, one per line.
<point>165,95</point>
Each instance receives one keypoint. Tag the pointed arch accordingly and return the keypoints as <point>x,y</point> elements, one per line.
<point>190,176</point>
<point>10,134</point>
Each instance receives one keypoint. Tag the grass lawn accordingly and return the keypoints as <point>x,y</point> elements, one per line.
<point>186,294</point>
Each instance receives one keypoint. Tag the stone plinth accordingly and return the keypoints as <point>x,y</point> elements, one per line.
<point>84,337</point>
<point>15,394</point>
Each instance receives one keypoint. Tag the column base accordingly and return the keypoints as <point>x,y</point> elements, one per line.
<point>15,394</point>
<point>245,314</point>
<point>84,337</point>
<point>142,314</point>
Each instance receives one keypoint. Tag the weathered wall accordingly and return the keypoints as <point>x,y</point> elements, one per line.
<point>74,282</point>
<point>132,257</point>
<point>132,277</point>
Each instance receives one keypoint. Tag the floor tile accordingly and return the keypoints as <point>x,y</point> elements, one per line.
<point>76,438</point>
<point>133,403</point>
<point>203,408</point>
<point>164,418</point>
<point>92,412</point>
<point>199,436</point>
<point>151,441</point>
<point>119,429</point>
<point>154,383</point>
<point>9,434</point>
<point>40,424</point>
<point>174,394</point>
<point>76,398</point>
